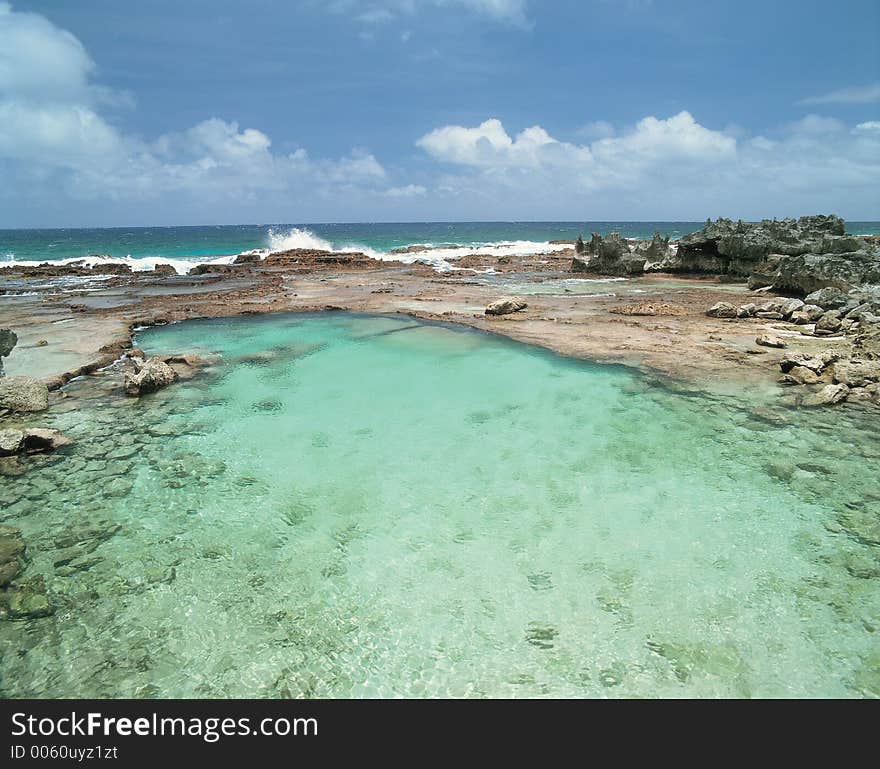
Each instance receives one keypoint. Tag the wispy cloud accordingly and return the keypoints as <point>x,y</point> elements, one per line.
<point>373,12</point>
<point>408,191</point>
<point>860,94</point>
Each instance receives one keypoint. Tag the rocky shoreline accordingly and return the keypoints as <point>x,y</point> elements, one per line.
<point>717,291</point>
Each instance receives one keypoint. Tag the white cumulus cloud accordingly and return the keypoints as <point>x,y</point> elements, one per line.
<point>660,168</point>
<point>55,140</point>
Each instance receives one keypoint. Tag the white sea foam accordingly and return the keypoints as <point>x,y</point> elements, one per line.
<point>137,264</point>
<point>297,238</point>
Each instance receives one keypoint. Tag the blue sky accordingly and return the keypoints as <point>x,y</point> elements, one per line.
<point>346,110</point>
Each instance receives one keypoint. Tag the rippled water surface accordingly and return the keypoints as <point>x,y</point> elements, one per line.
<point>352,506</point>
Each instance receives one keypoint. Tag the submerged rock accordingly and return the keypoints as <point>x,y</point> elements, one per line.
<point>147,376</point>
<point>8,340</point>
<point>12,550</point>
<point>23,393</point>
<point>506,306</point>
<point>28,600</point>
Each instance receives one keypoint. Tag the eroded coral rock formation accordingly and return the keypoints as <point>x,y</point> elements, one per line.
<point>613,255</point>
<point>798,255</point>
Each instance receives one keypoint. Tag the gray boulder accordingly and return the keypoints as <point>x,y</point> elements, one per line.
<point>789,306</point>
<point>810,272</point>
<point>32,440</point>
<point>23,393</point>
<point>39,439</point>
<point>658,255</point>
<point>809,313</point>
<point>830,322</point>
<point>829,298</point>
<point>737,247</point>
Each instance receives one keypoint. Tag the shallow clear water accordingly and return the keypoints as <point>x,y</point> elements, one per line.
<point>370,506</point>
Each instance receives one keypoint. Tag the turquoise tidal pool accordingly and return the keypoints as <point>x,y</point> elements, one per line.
<point>353,506</point>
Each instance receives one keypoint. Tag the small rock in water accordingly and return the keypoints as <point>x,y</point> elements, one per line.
<point>541,636</point>
<point>148,376</point>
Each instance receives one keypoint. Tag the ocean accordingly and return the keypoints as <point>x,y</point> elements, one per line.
<point>183,247</point>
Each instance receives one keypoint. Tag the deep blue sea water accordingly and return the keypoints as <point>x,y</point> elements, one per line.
<point>147,245</point>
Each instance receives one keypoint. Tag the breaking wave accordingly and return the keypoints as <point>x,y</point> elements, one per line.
<point>297,238</point>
